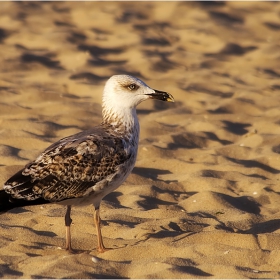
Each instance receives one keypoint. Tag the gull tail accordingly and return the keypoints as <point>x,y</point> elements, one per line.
<point>7,202</point>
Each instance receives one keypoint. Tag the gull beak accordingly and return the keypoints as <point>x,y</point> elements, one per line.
<point>161,95</point>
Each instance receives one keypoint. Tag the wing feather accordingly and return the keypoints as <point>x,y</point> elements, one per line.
<point>69,167</point>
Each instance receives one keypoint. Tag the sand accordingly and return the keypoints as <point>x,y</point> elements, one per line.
<point>203,199</point>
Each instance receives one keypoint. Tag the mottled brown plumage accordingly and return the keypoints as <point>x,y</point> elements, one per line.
<point>71,166</point>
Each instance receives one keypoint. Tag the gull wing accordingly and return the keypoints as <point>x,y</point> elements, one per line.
<point>69,167</point>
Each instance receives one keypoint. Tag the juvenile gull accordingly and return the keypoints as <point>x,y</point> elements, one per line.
<point>83,168</point>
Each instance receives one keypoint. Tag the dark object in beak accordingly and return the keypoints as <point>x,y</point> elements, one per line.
<point>161,95</point>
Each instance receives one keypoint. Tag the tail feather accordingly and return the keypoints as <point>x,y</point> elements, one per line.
<point>18,179</point>
<point>7,202</point>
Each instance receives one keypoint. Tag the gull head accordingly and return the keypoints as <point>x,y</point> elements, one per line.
<point>125,91</point>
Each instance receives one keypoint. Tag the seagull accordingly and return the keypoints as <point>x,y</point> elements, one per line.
<point>83,168</point>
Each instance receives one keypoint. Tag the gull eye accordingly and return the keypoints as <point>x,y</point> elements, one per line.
<point>132,87</point>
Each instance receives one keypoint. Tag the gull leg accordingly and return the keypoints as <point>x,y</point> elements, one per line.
<point>100,246</point>
<point>68,222</point>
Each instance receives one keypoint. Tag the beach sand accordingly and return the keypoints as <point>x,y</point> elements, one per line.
<point>203,200</point>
